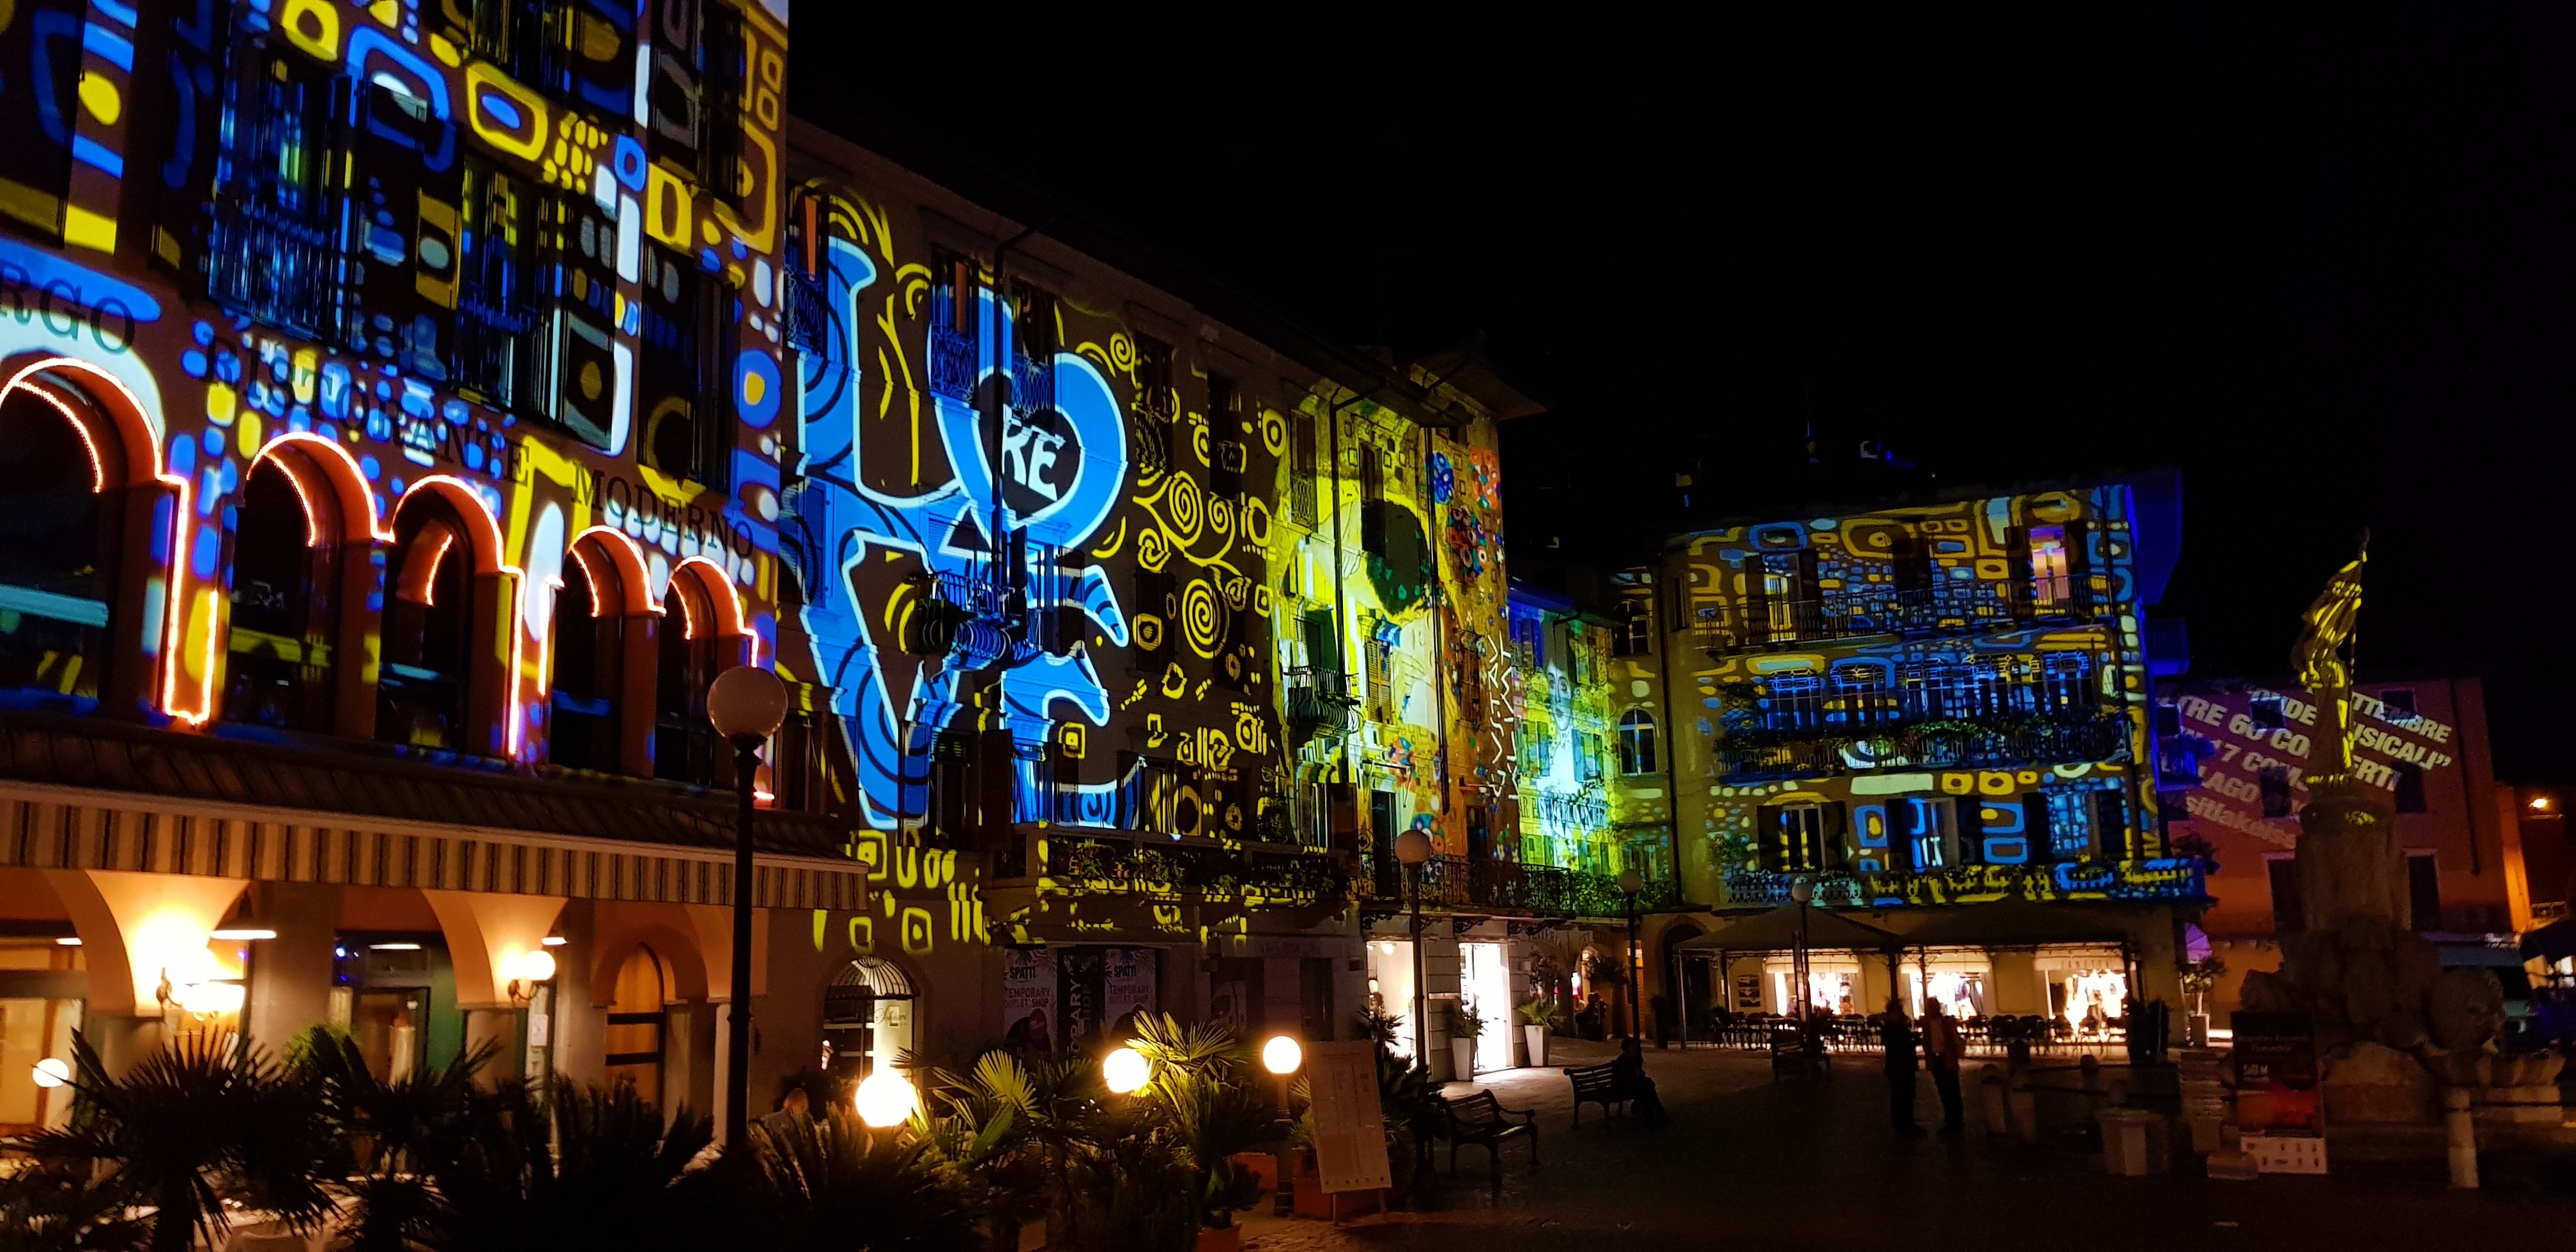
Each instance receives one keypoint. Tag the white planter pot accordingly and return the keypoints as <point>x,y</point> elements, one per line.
<point>1462,1060</point>
<point>1537,1037</point>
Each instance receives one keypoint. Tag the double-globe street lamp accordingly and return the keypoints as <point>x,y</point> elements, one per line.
<point>746,703</point>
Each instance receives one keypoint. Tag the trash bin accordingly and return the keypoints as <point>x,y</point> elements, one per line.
<point>2135,1142</point>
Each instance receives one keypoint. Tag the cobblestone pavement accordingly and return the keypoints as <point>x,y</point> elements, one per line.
<point>1802,1164</point>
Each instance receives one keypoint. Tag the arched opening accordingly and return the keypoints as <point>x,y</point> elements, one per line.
<point>638,1024</point>
<point>867,1019</point>
<point>684,744</point>
<point>428,661</point>
<point>285,602</point>
<point>589,675</point>
<point>60,534</point>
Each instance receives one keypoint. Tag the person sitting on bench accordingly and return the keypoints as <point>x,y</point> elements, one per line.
<point>1628,1081</point>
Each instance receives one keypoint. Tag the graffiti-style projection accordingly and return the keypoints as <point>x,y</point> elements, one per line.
<point>995,571</point>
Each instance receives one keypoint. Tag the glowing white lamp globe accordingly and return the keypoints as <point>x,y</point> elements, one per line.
<point>53,1071</point>
<point>746,702</point>
<point>885,1099</point>
<point>537,966</point>
<point>1281,1055</point>
<point>1125,1070</point>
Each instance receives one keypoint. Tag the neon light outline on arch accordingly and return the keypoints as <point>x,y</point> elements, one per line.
<point>452,487</point>
<point>174,601</point>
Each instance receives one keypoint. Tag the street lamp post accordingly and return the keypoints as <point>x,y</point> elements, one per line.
<point>1631,882</point>
<point>1801,891</point>
<point>746,703</point>
<point>1413,848</point>
<point>1281,1056</point>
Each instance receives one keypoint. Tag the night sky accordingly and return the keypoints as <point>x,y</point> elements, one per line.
<point>2319,263</point>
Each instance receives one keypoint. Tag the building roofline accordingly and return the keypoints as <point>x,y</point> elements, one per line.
<point>1024,207</point>
<point>1917,499</point>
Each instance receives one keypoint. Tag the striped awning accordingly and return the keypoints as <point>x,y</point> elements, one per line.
<point>52,827</point>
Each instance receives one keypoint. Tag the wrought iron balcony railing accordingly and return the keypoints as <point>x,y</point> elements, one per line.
<point>1154,868</point>
<point>273,269</point>
<point>1935,745</point>
<point>1454,882</point>
<point>1032,384</point>
<point>809,313</point>
<point>1319,700</point>
<point>952,362</point>
<point>2156,878</point>
<point>1870,612</point>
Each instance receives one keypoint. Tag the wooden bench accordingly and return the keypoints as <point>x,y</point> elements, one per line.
<point>1789,1052</point>
<point>1478,1118</point>
<point>1593,1085</point>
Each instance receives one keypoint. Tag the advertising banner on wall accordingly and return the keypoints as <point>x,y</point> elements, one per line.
<point>2250,747</point>
<point>1129,986</point>
<point>2279,1100</point>
<point>1028,998</point>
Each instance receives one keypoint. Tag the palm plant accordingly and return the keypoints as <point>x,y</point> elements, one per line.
<point>390,1137</point>
<point>833,1183</point>
<point>201,1121</point>
<point>595,1168</point>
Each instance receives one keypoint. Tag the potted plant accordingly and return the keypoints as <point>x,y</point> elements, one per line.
<point>1464,1026</point>
<point>1538,1017</point>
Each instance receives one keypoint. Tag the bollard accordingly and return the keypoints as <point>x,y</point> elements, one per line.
<point>1990,1096</point>
<point>2463,1135</point>
<point>2024,1104</point>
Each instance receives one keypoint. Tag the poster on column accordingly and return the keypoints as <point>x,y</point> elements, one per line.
<point>1129,987</point>
<point>1028,999</point>
<point>1350,1128</point>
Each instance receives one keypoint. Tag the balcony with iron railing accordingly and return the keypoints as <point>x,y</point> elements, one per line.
<point>1032,383</point>
<point>1757,755</point>
<point>1877,612</point>
<point>952,362</point>
<point>2178,879</point>
<point>273,269</point>
<point>1319,700</point>
<point>1158,869</point>
<point>1453,883</point>
<point>809,312</point>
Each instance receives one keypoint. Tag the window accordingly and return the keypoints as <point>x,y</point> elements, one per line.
<point>684,742</point>
<point>582,51</point>
<point>2168,719</point>
<point>495,345</point>
<point>1864,696</point>
<point>2048,572</point>
<point>2066,685</point>
<point>692,99</point>
<point>1588,756</point>
<point>1796,837</point>
<point>1156,392</point>
<point>285,602</point>
<point>725,59</point>
<point>272,256</point>
<point>1033,349</point>
<point>429,636</point>
<point>589,673</point>
<point>2275,783</point>
<point>2267,712</point>
<point>1794,702</point>
<point>2410,787</point>
<point>1529,640</point>
<point>638,1014</point>
<point>2069,815</point>
<point>1372,475</point>
<point>1932,832</point>
<point>2287,915</point>
<point>1227,456</point>
<point>1636,742</point>
<point>1378,656</point>
<point>2112,835</point>
<point>1301,469</point>
<point>687,318</point>
<point>2423,891</point>
<point>59,537</point>
<point>1632,633</point>
<point>40,54</point>
<point>2398,704</point>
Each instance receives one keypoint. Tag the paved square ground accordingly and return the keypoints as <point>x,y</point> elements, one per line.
<point>1810,1163</point>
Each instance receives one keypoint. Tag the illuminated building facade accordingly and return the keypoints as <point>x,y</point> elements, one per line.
<point>1154,618</point>
<point>2232,759</point>
<point>1922,709</point>
<point>394,400</point>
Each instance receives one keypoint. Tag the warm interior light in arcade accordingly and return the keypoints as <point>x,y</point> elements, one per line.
<point>1125,1070</point>
<point>2540,803</point>
<point>53,1071</point>
<point>885,1099</point>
